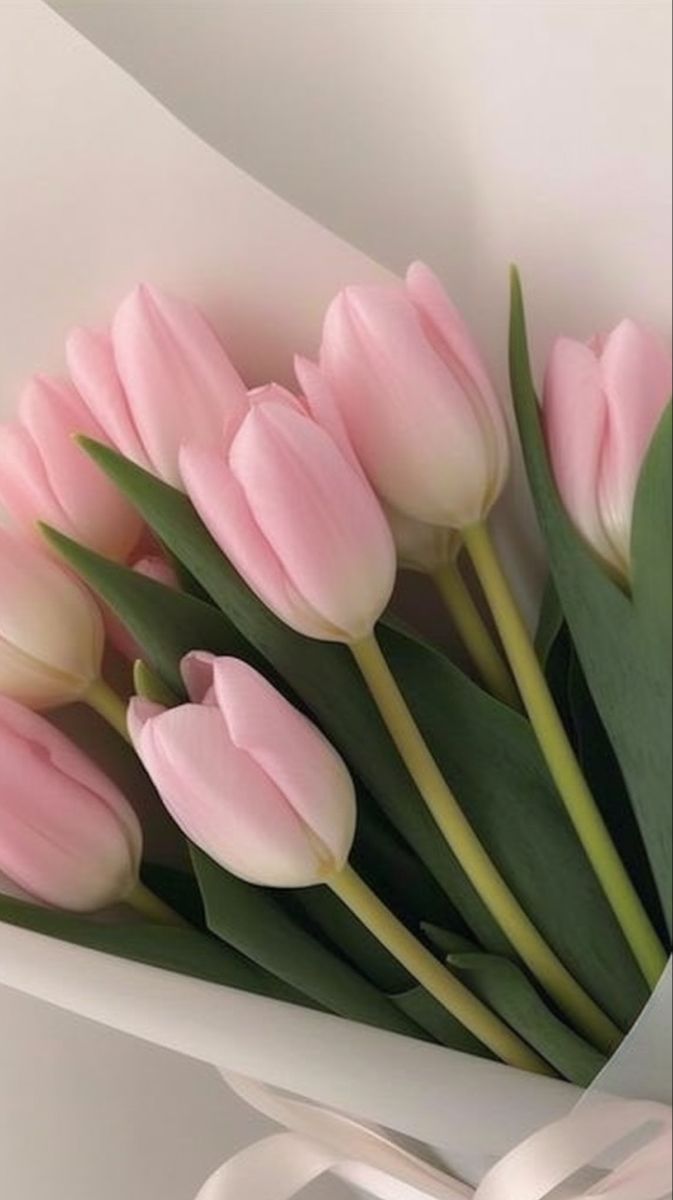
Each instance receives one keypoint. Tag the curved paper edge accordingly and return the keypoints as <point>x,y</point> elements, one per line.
<point>455,1101</point>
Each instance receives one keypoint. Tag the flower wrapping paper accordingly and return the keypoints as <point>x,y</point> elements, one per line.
<point>169,207</point>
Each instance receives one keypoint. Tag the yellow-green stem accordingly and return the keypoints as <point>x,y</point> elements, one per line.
<point>475,634</point>
<point>475,861</point>
<point>153,908</point>
<point>103,700</point>
<point>490,1030</point>
<point>562,761</point>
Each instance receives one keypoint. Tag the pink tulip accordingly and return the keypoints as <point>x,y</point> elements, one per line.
<point>68,838</point>
<point>248,778</point>
<point>51,632</point>
<point>161,378</point>
<point>602,404</point>
<point>44,476</point>
<point>297,520</point>
<point>416,400</point>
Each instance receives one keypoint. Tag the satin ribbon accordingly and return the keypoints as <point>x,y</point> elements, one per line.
<point>321,1141</point>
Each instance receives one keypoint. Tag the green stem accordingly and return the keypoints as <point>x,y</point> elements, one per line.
<point>475,634</point>
<point>150,906</point>
<point>562,761</point>
<point>103,700</point>
<point>435,978</point>
<point>472,856</point>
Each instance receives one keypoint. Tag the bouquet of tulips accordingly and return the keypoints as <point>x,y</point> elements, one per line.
<point>470,849</point>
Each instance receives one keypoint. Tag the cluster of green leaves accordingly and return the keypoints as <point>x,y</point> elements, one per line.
<point>607,661</point>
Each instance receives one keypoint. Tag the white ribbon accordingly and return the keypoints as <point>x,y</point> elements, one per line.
<point>365,1157</point>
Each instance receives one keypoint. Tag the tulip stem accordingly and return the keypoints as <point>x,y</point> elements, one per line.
<point>473,857</point>
<point>562,760</point>
<point>153,908</point>
<point>472,1013</point>
<point>475,635</point>
<point>103,700</point>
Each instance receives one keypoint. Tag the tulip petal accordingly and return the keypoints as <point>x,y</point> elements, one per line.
<point>322,406</point>
<point>93,369</point>
<point>449,331</point>
<point>575,420</point>
<point>197,669</point>
<point>140,711</point>
<point>635,371</point>
<point>25,491</point>
<point>292,752</point>
<point>454,343</point>
<point>319,514</point>
<point>176,375</point>
<point>47,620</point>
<point>274,391</point>
<point>30,682</point>
<point>93,510</point>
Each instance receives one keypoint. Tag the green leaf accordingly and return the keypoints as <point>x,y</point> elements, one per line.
<point>336,927</point>
<point>247,918</point>
<point>587,733</point>
<point>623,640</point>
<point>150,685</point>
<point>445,942</point>
<point>487,752</point>
<point>396,874</point>
<point>340,930</point>
<point>606,781</point>
<point>165,622</point>
<point>445,1029</point>
<point>179,890</point>
<point>508,991</point>
<point>550,622</point>
<point>343,931</point>
<point>187,952</point>
<point>594,750</point>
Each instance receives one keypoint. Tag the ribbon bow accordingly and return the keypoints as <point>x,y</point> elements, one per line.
<point>365,1157</point>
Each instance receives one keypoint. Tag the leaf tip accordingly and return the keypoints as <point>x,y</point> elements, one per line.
<point>50,535</point>
<point>151,686</point>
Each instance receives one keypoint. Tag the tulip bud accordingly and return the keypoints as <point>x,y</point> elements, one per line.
<point>298,521</point>
<point>160,379</point>
<point>246,777</point>
<point>51,632</point>
<point>602,404</point>
<point>416,400</point>
<point>68,838</point>
<point>44,476</point>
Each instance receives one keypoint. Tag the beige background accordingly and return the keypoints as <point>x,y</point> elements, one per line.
<point>469,133</point>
